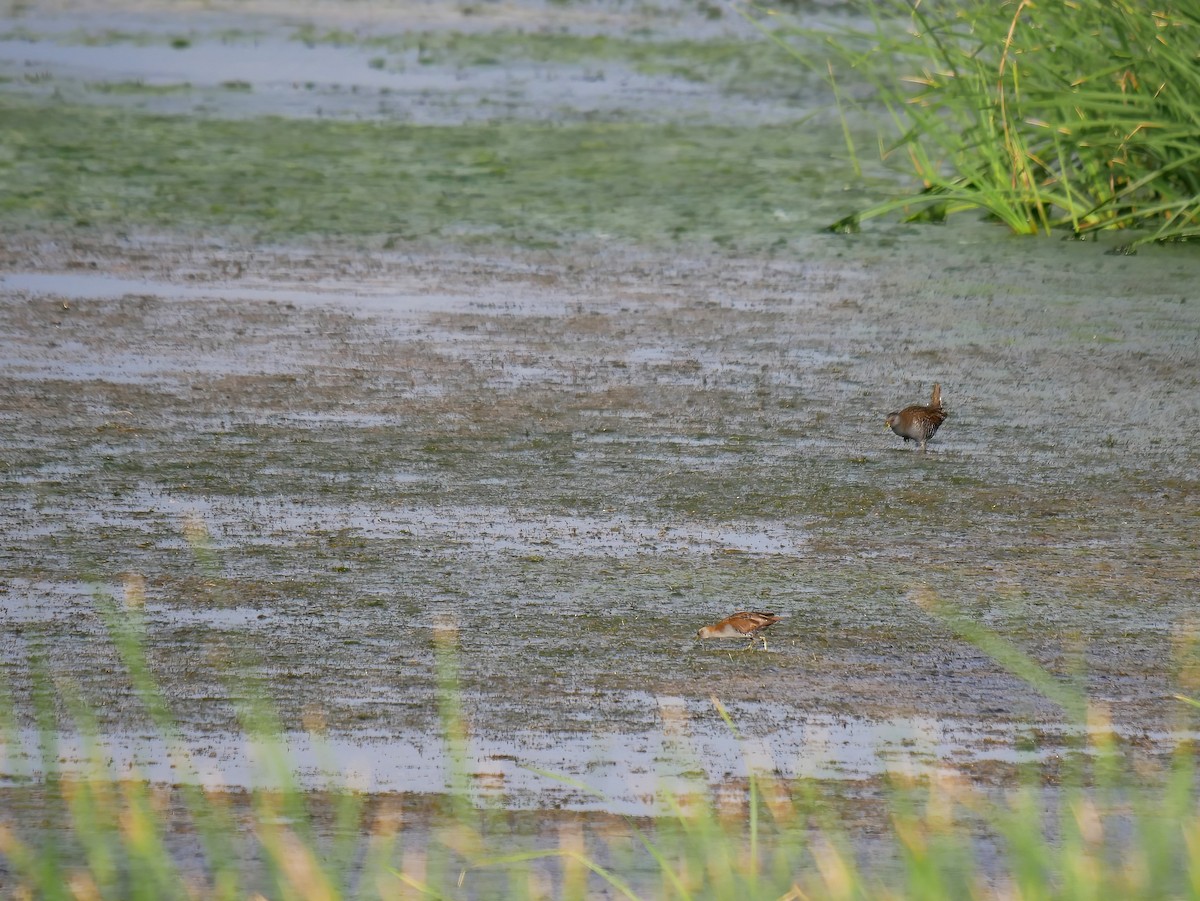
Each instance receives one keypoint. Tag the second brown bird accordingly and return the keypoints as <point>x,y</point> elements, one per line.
<point>743,624</point>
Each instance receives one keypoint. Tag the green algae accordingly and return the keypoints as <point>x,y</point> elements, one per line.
<point>516,183</point>
<point>137,87</point>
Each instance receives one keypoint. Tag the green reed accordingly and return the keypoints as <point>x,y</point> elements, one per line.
<point>1083,115</point>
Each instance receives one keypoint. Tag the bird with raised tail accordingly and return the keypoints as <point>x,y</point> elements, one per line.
<point>919,423</point>
<point>743,624</point>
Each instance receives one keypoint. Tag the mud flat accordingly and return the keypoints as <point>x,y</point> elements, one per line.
<point>574,463</point>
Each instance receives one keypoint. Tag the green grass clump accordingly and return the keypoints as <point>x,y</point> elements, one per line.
<point>1084,115</point>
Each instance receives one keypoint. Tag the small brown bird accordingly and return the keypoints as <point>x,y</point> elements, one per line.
<point>917,423</point>
<point>743,624</point>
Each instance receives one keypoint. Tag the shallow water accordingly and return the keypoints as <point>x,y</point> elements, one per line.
<point>612,772</point>
<point>257,68</point>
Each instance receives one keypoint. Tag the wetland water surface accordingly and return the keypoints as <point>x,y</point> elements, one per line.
<point>574,464</point>
<point>308,461</point>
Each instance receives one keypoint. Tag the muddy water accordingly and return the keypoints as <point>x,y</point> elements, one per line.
<point>576,461</point>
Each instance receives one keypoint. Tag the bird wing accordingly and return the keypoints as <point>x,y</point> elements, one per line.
<point>747,621</point>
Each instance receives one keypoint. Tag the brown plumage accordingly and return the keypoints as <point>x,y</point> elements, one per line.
<point>743,624</point>
<point>917,423</point>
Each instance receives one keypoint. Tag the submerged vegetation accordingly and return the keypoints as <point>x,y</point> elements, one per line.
<point>520,182</point>
<point>1078,115</point>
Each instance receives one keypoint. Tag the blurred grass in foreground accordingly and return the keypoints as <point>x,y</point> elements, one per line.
<point>1106,831</point>
<point>1103,827</point>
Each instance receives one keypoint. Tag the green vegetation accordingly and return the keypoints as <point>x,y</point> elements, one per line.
<point>106,37</point>
<point>1043,115</point>
<point>735,64</point>
<point>1082,115</point>
<point>515,181</point>
<point>138,87</point>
